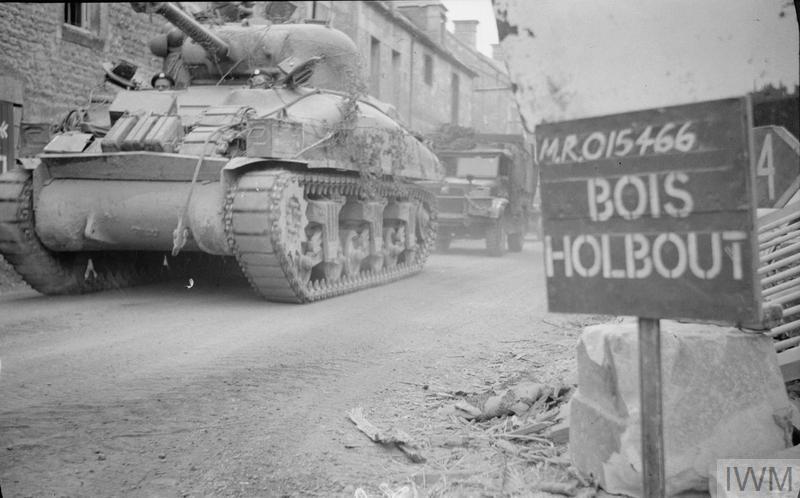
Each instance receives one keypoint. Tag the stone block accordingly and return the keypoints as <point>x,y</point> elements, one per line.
<point>722,396</point>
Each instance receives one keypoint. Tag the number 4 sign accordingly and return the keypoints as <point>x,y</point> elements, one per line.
<point>777,165</point>
<point>3,136</point>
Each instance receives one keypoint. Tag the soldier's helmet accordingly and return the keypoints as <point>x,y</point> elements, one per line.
<point>259,79</point>
<point>162,81</point>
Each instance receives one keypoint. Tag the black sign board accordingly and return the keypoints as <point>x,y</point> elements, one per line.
<point>651,213</point>
<point>7,155</point>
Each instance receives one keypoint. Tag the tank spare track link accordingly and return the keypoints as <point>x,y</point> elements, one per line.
<point>52,272</point>
<point>262,207</point>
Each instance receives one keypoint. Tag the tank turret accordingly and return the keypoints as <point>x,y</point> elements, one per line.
<point>229,53</point>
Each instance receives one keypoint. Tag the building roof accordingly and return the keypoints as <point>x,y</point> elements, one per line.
<point>494,64</point>
<point>419,3</point>
<point>420,35</point>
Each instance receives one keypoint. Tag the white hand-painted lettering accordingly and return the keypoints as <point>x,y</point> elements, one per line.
<point>669,255</point>
<point>766,166</point>
<point>574,148</point>
<point>607,199</point>
<point>677,193</point>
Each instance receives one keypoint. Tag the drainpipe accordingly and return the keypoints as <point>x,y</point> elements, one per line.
<point>411,83</point>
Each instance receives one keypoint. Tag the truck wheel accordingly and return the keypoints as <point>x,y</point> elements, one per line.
<point>496,240</point>
<point>515,242</point>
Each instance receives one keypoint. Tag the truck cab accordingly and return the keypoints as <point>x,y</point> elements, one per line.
<point>487,194</point>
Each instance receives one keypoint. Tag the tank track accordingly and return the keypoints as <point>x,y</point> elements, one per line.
<point>75,272</point>
<point>254,211</point>
<point>255,215</point>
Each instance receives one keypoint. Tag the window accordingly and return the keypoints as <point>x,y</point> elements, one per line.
<point>82,24</point>
<point>479,167</point>
<point>77,14</point>
<point>375,67</point>
<point>395,77</point>
<point>321,11</point>
<point>428,69</point>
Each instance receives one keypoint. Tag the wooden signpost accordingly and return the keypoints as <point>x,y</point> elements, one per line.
<point>652,213</point>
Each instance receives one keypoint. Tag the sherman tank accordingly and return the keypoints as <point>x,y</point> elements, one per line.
<point>296,178</point>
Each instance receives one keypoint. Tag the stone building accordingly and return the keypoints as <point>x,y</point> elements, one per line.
<point>404,62</point>
<point>432,76</point>
<point>55,50</point>
<point>51,58</point>
<point>493,106</point>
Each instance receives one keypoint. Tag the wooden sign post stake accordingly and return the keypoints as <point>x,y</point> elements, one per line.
<point>652,415</point>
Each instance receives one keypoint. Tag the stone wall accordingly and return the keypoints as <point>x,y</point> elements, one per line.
<point>59,64</point>
<point>493,107</point>
<point>423,105</point>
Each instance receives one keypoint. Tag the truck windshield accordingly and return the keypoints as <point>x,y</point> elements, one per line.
<point>479,167</point>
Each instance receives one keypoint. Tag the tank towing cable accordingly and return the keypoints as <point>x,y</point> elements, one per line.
<point>181,233</point>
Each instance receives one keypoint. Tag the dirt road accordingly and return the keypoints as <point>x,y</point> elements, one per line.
<point>171,391</point>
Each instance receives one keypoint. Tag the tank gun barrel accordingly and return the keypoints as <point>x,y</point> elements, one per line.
<point>185,22</point>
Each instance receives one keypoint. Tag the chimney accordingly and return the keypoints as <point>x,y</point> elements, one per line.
<point>497,52</point>
<point>467,32</point>
<point>427,15</point>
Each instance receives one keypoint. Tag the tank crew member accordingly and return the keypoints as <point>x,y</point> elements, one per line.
<point>173,59</point>
<point>162,81</point>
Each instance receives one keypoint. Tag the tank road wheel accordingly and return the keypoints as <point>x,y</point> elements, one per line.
<point>496,239</point>
<point>361,233</point>
<point>372,264</point>
<point>394,243</point>
<point>427,228</point>
<point>330,271</point>
<point>311,254</point>
<point>323,211</point>
<point>422,226</point>
<point>302,237</point>
<point>409,256</point>
<point>515,242</point>
<point>354,251</point>
<point>368,248</point>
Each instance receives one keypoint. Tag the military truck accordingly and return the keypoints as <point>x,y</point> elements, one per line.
<point>487,192</point>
